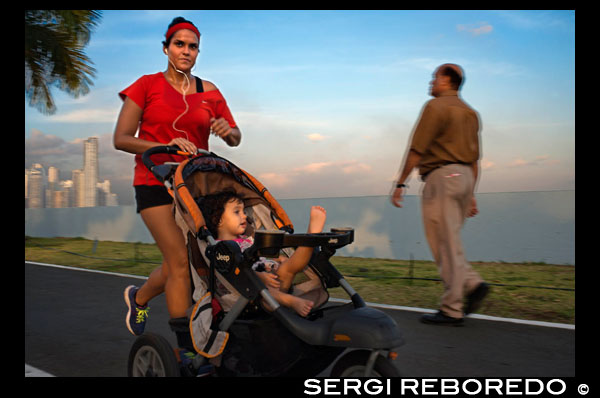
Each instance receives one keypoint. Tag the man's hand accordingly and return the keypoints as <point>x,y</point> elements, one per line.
<point>412,160</point>
<point>473,210</point>
<point>397,197</point>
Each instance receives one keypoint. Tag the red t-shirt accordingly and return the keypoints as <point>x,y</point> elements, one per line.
<point>161,105</point>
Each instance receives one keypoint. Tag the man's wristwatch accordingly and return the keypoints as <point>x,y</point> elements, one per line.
<point>401,185</point>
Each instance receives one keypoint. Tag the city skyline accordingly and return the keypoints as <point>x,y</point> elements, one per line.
<point>327,100</point>
<point>84,189</point>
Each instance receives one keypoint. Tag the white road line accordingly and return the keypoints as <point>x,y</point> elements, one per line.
<point>88,270</point>
<point>473,316</point>
<point>385,306</point>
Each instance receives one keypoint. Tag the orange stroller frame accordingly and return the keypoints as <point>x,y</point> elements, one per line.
<point>238,337</point>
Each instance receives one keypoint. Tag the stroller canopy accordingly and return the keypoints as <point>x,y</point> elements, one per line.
<point>208,174</point>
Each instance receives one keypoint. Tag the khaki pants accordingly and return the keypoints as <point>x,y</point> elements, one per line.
<point>446,198</point>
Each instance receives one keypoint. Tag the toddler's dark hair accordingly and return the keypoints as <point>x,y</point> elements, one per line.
<point>212,207</point>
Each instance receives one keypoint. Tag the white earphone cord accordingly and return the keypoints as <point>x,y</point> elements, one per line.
<point>187,107</point>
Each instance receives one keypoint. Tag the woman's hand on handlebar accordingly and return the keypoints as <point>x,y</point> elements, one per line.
<point>184,145</point>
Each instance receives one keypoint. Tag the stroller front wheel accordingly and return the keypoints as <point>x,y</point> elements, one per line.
<point>152,356</point>
<point>354,364</point>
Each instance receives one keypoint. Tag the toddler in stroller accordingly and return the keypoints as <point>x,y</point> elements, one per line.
<point>225,218</point>
<point>227,327</point>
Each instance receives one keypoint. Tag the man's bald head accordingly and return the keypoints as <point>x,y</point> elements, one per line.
<point>454,73</point>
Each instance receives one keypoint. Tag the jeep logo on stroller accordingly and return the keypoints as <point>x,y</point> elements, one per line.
<point>222,257</point>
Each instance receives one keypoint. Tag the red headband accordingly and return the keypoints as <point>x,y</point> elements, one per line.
<point>182,25</point>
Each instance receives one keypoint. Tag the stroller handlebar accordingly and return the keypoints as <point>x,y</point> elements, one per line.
<point>163,149</point>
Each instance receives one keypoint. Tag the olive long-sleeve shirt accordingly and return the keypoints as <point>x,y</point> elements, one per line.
<point>447,132</point>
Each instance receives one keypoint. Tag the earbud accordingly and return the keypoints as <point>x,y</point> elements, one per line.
<point>171,62</point>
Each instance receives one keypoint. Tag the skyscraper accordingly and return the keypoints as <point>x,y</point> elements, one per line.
<point>90,171</point>
<point>36,185</point>
<point>52,186</point>
<point>53,174</point>
<point>36,188</point>
<point>78,197</point>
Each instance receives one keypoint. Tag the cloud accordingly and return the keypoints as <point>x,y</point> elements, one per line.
<point>519,163</point>
<point>370,236</point>
<point>355,167</point>
<point>40,143</point>
<point>271,120</point>
<point>476,29</point>
<point>40,148</point>
<point>345,166</point>
<point>536,161</point>
<point>114,229</point>
<point>487,164</point>
<point>275,179</point>
<point>315,137</point>
<point>87,116</point>
<point>313,167</point>
<point>325,179</point>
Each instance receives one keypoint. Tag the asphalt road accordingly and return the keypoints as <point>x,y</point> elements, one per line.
<point>74,326</point>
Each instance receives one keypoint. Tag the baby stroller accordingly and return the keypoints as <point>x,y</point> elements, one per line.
<point>228,333</point>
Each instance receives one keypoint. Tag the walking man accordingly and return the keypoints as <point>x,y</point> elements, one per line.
<point>445,147</point>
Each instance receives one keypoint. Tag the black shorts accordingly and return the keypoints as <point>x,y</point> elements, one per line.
<point>151,196</point>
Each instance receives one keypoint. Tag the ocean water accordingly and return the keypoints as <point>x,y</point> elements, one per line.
<point>510,227</point>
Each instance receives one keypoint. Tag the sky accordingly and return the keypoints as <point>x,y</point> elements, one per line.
<point>327,100</point>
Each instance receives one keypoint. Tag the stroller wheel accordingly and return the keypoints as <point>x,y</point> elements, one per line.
<point>152,356</point>
<point>354,364</point>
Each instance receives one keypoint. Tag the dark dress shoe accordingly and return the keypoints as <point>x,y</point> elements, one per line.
<point>475,298</point>
<point>439,318</point>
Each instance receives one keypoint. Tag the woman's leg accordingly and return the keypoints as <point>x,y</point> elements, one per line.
<point>174,272</point>
<point>154,285</point>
